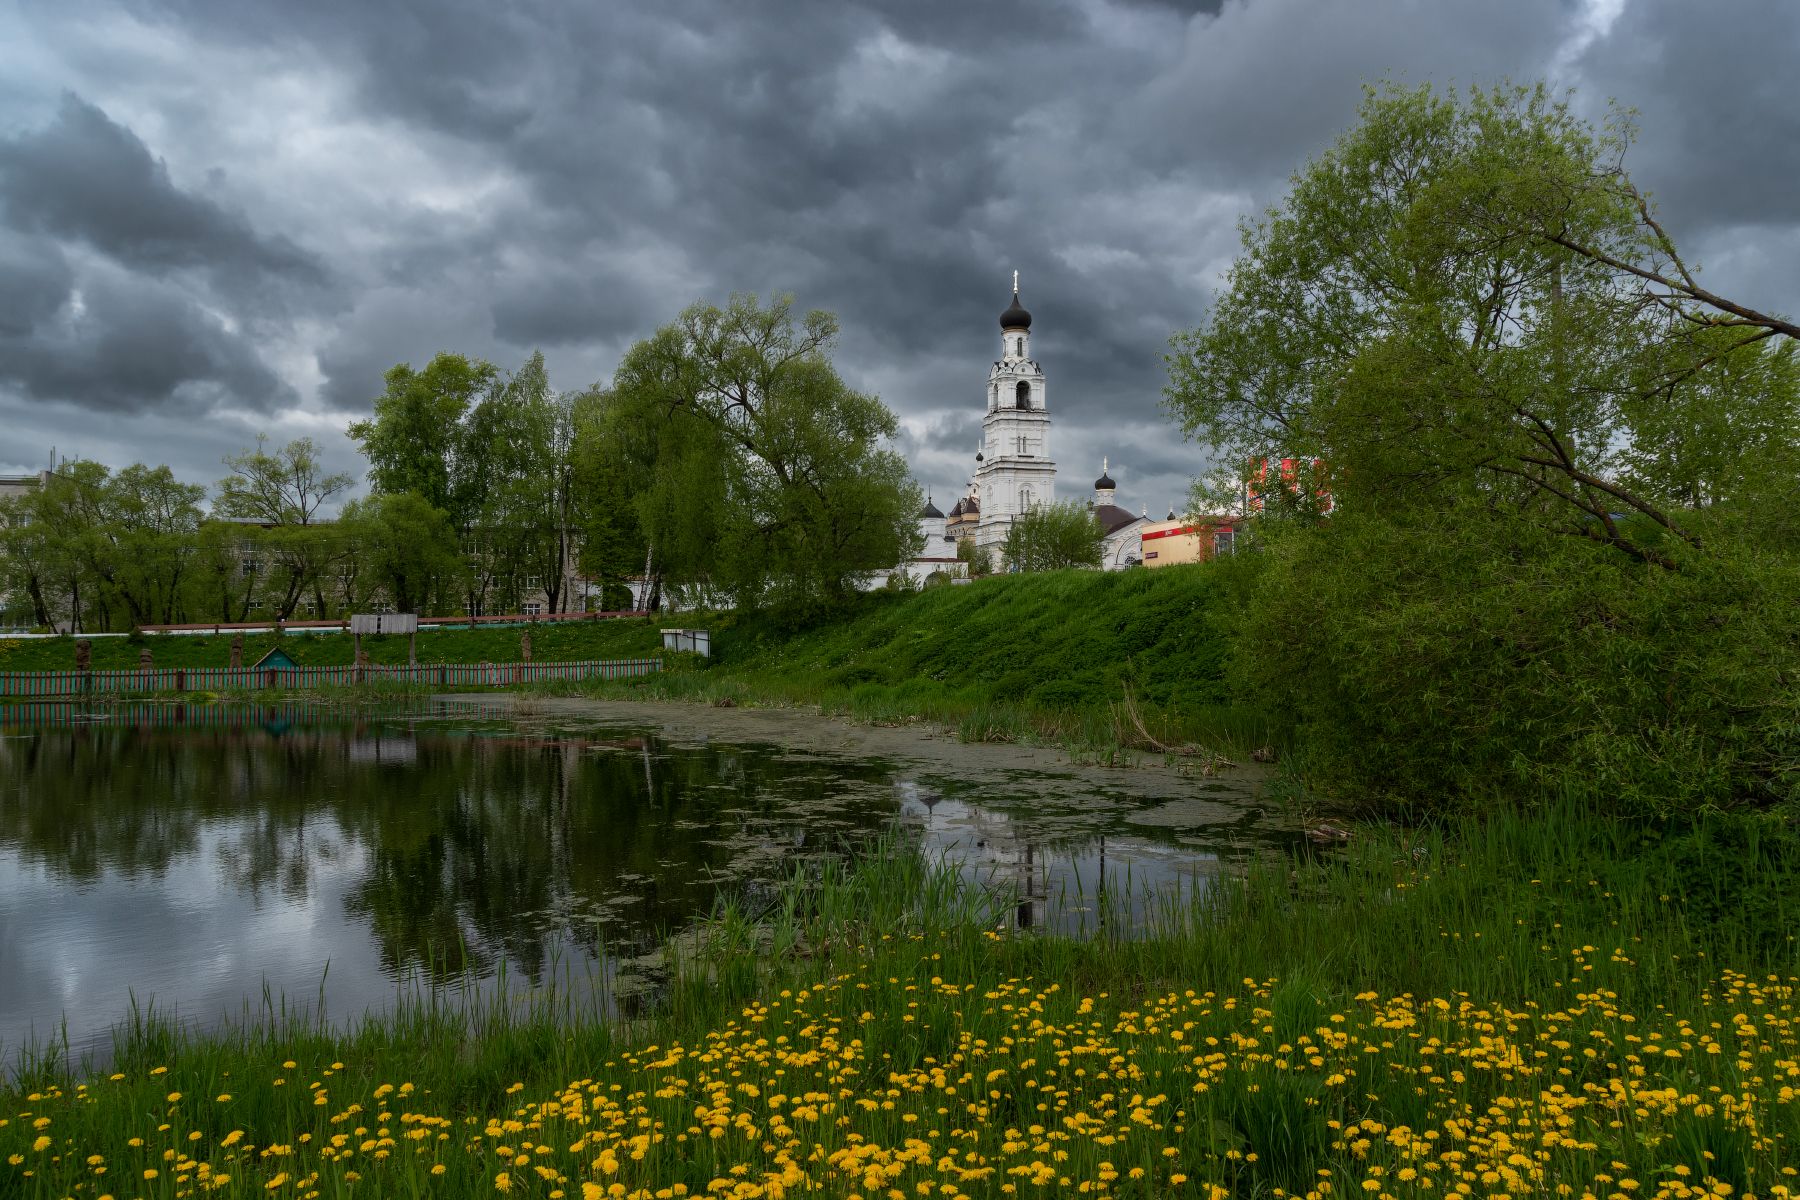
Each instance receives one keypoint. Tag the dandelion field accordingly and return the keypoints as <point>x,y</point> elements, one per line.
<point>1427,1022</point>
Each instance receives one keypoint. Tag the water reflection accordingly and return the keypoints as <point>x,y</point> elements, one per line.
<point>199,854</point>
<point>1080,876</point>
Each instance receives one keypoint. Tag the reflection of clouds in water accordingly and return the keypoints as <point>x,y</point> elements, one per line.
<point>193,867</point>
<point>1068,882</point>
<point>384,751</point>
<point>187,938</point>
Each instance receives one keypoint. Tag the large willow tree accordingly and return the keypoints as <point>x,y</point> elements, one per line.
<point>760,475</point>
<point>1561,551</point>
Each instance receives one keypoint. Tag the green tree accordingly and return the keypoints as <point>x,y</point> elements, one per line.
<point>68,512</point>
<point>415,440</point>
<point>112,550</point>
<point>27,568</point>
<point>146,539</point>
<point>518,438</point>
<point>405,550</point>
<point>979,558</point>
<point>1541,571</point>
<point>227,576</point>
<point>288,487</point>
<point>767,478</point>
<point>283,494</point>
<point>611,461</point>
<point>1051,537</point>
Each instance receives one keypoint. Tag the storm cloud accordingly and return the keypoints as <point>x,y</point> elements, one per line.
<point>248,212</point>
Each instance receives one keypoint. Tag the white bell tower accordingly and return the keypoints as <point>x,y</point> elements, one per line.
<point>1016,472</point>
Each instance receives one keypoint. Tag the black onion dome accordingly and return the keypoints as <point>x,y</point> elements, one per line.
<point>1105,482</point>
<point>931,510</point>
<point>1015,317</point>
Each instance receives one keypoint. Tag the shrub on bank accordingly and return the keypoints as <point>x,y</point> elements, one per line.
<point>1422,665</point>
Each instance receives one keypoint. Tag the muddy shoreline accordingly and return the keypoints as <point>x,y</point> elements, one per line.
<point>1164,791</point>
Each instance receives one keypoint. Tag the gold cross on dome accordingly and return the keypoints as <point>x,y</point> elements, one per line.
<point>1015,283</point>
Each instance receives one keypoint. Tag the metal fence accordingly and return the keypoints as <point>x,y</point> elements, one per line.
<point>240,679</point>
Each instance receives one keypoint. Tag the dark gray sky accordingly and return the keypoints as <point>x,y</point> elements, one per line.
<point>219,218</point>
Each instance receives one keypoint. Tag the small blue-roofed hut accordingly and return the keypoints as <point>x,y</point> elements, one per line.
<point>275,659</point>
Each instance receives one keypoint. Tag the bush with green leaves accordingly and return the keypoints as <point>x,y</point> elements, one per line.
<point>1051,537</point>
<point>1561,552</point>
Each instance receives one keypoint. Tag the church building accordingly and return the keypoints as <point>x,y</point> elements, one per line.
<point>1013,468</point>
<point>1014,471</point>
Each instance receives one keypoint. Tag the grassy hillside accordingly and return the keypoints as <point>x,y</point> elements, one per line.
<point>1052,655</point>
<point>550,642</point>
<point>1059,640</point>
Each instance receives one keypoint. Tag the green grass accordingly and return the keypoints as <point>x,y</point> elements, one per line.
<point>1084,659</point>
<point>1513,1002</point>
<point>550,641</point>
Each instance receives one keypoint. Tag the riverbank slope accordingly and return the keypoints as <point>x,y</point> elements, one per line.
<point>1079,658</point>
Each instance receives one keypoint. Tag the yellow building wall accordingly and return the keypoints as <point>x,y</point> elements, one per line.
<point>1169,543</point>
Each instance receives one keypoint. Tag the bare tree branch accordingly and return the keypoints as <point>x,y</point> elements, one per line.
<point>1692,291</point>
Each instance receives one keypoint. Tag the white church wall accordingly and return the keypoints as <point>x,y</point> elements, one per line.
<point>1123,548</point>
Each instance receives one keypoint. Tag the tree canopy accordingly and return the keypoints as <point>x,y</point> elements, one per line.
<point>1556,485</point>
<point>1051,537</point>
<point>758,473</point>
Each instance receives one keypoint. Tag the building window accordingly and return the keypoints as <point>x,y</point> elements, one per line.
<point>247,567</point>
<point>533,608</point>
<point>1024,394</point>
<point>1222,541</point>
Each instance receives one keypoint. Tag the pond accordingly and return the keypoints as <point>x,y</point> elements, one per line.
<point>202,858</point>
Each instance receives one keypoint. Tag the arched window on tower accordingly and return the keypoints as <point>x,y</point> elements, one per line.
<point>1024,394</point>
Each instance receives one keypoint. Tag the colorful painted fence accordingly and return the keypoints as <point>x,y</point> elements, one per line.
<point>35,684</point>
<point>206,714</point>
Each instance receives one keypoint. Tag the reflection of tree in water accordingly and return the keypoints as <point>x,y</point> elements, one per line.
<point>476,847</point>
<point>508,845</point>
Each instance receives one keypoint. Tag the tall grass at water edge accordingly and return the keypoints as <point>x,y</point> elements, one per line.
<point>1515,1004</point>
